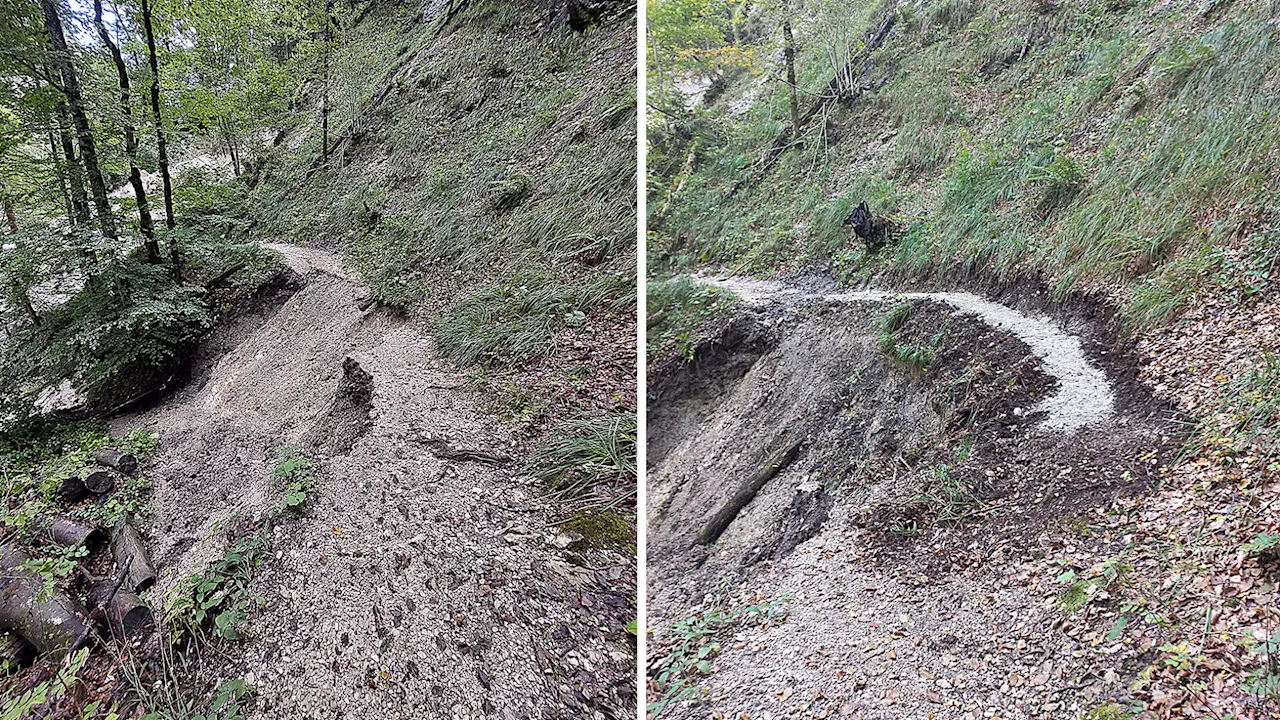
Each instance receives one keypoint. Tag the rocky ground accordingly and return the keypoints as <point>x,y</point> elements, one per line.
<point>1003,598</point>
<point>419,582</point>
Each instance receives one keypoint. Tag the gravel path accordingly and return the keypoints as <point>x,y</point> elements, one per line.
<point>1085,395</point>
<point>414,586</point>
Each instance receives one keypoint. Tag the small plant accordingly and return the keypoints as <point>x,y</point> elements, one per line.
<point>63,684</point>
<point>507,193</point>
<point>916,356</point>
<point>588,451</point>
<point>295,477</point>
<point>947,498</point>
<point>58,563</point>
<point>684,652</point>
<point>218,598</point>
<point>1083,589</point>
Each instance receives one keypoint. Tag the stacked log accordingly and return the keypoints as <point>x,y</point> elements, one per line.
<point>52,624</point>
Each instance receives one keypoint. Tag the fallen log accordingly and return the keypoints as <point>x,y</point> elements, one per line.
<point>72,533</point>
<point>126,463</point>
<point>53,624</point>
<point>712,531</point>
<point>125,612</point>
<point>15,653</point>
<point>99,481</point>
<point>130,553</point>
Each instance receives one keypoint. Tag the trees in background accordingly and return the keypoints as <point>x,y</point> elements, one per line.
<point>93,99</point>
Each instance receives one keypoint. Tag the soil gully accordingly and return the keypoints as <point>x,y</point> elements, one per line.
<point>930,469</point>
<point>413,586</point>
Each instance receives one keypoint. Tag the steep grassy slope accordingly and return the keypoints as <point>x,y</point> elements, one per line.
<point>483,167</point>
<point>1124,145</point>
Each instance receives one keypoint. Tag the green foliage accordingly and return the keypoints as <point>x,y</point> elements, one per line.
<point>508,324</point>
<point>62,685</point>
<point>678,310</point>
<point>129,325</point>
<point>1108,711</point>
<point>295,477</point>
<point>1247,413</point>
<point>946,497</point>
<point>218,599</point>
<point>588,451</point>
<point>682,654</point>
<point>56,564</point>
<point>35,459</point>
<point>1006,161</point>
<point>1263,543</point>
<point>1085,588</point>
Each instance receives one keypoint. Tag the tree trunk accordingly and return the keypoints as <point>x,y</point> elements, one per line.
<point>130,136</point>
<point>130,553</point>
<point>161,144</point>
<point>789,52</point>
<point>79,116</point>
<point>324,101</point>
<point>9,215</point>
<point>59,169</point>
<point>52,622</point>
<point>75,171</point>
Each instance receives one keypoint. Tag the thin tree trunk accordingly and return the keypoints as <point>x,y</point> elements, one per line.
<point>130,136</point>
<point>79,116</point>
<point>789,51</point>
<point>59,169</point>
<point>324,101</point>
<point>75,171</point>
<point>161,144</point>
<point>9,215</point>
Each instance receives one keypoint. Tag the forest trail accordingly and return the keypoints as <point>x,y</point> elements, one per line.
<point>892,611</point>
<point>413,585</point>
<point>1085,394</point>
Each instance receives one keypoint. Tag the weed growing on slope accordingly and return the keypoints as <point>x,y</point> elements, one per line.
<point>677,310</point>
<point>586,452</point>
<point>294,478</point>
<point>683,654</point>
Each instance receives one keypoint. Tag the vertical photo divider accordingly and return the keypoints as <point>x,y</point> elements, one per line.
<point>642,150</point>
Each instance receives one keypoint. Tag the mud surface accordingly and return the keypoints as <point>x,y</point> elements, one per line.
<point>901,538</point>
<point>412,586</point>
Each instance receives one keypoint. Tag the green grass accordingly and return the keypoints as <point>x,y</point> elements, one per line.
<point>494,185</point>
<point>586,452</point>
<point>989,171</point>
<point>678,311</point>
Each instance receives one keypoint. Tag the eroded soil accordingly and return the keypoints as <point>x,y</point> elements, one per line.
<point>906,539</point>
<point>412,586</point>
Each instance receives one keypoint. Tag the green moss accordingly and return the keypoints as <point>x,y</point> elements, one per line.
<point>1108,711</point>
<point>601,529</point>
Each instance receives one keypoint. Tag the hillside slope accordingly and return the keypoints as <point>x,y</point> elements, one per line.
<point>1109,165</point>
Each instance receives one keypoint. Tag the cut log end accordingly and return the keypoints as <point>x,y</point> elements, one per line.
<point>72,533</point>
<point>126,613</point>
<point>51,621</point>
<point>99,481</point>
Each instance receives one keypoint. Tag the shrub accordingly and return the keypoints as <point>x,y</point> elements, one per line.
<point>128,328</point>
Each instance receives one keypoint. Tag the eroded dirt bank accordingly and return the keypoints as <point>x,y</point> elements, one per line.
<point>414,585</point>
<point>939,448</point>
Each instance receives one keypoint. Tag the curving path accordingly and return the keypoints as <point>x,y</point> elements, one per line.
<point>1085,394</point>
